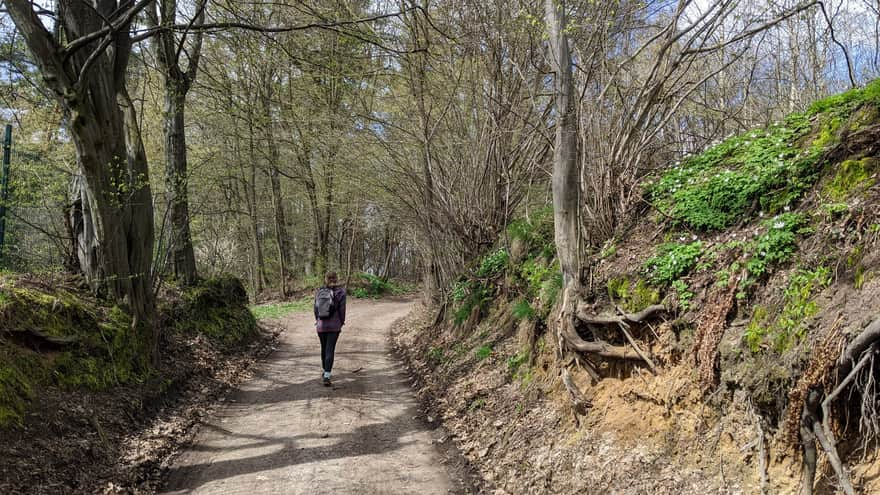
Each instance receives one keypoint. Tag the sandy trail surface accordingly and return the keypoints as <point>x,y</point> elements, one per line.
<point>283,432</point>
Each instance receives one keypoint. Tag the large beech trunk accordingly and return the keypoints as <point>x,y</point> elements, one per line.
<point>115,214</point>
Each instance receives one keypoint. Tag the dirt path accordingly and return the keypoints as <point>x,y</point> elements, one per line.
<point>283,432</point>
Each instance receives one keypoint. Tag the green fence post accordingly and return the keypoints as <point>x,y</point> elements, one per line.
<point>4,186</point>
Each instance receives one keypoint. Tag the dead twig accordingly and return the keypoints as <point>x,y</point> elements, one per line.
<point>632,342</point>
<point>579,402</point>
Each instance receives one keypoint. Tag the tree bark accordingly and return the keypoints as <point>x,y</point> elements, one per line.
<point>115,217</point>
<point>281,234</point>
<point>177,85</point>
<point>280,227</point>
<point>565,165</point>
<point>259,265</point>
<point>565,180</point>
<point>182,255</point>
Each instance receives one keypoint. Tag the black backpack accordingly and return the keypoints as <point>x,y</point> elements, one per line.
<point>324,303</point>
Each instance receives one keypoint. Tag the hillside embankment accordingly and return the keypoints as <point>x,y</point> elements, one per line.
<point>82,409</point>
<point>726,334</point>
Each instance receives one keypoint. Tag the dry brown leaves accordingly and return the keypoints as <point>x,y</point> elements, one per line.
<point>709,332</point>
<point>820,371</point>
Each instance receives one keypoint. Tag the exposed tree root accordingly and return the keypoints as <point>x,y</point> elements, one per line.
<point>598,347</point>
<point>580,404</point>
<point>811,429</point>
<point>628,318</point>
<point>635,346</point>
<point>808,441</point>
<point>815,416</point>
<point>604,349</point>
<point>761,443</point>
<point>818,373</point>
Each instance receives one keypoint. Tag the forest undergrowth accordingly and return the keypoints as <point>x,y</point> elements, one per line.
<point>707,333</point>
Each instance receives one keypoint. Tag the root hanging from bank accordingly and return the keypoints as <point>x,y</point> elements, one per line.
<point>854,367</point>
<point>710,331</point>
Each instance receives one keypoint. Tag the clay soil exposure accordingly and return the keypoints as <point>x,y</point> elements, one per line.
<point>284,432</point>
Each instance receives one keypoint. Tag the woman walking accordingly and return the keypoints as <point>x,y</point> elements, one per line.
<point>329,319</point>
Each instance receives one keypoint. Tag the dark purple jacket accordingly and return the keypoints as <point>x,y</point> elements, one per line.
<point>337,319</point>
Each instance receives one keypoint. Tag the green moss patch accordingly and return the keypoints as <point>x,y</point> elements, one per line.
<point>218,309</point>
<point>64,339</point>
<point>18,372</point>
<point>632,296</point>
<point>851,175</point>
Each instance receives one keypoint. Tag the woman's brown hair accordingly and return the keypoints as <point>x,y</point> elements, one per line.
<point>331,279</point>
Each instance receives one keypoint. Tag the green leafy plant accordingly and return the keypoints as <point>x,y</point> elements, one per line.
<point>522,310</point>
<point>361,293</point>
<point>375,287</point>
<point>476,404</point>
<point>791,324</point>
<point>436,355</point>
<point>536,232</point>
<point>543,281</point>
<point>478,296</point>
<point>770,167</point>
<point>684,294</point>
<point>672,261</point>
<point>493,263</point>
<point>776,245</point>
<point>483,352</point>
<point>460,290</point>
<point>516,361</point>
<point>715,189</point>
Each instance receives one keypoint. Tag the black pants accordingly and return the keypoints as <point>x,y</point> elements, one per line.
<point>328,349</point>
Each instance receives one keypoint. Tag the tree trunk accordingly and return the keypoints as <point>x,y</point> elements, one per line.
<point>565,166</point>
<point>115,230</point>
<point>565,181</point>
<point>280,227</point>
<point>182,256</point>
<point>281,235</point>
<point>259,264</point>
<point>167,51</point>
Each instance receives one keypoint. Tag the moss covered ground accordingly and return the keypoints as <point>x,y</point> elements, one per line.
<point>53,336</point>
